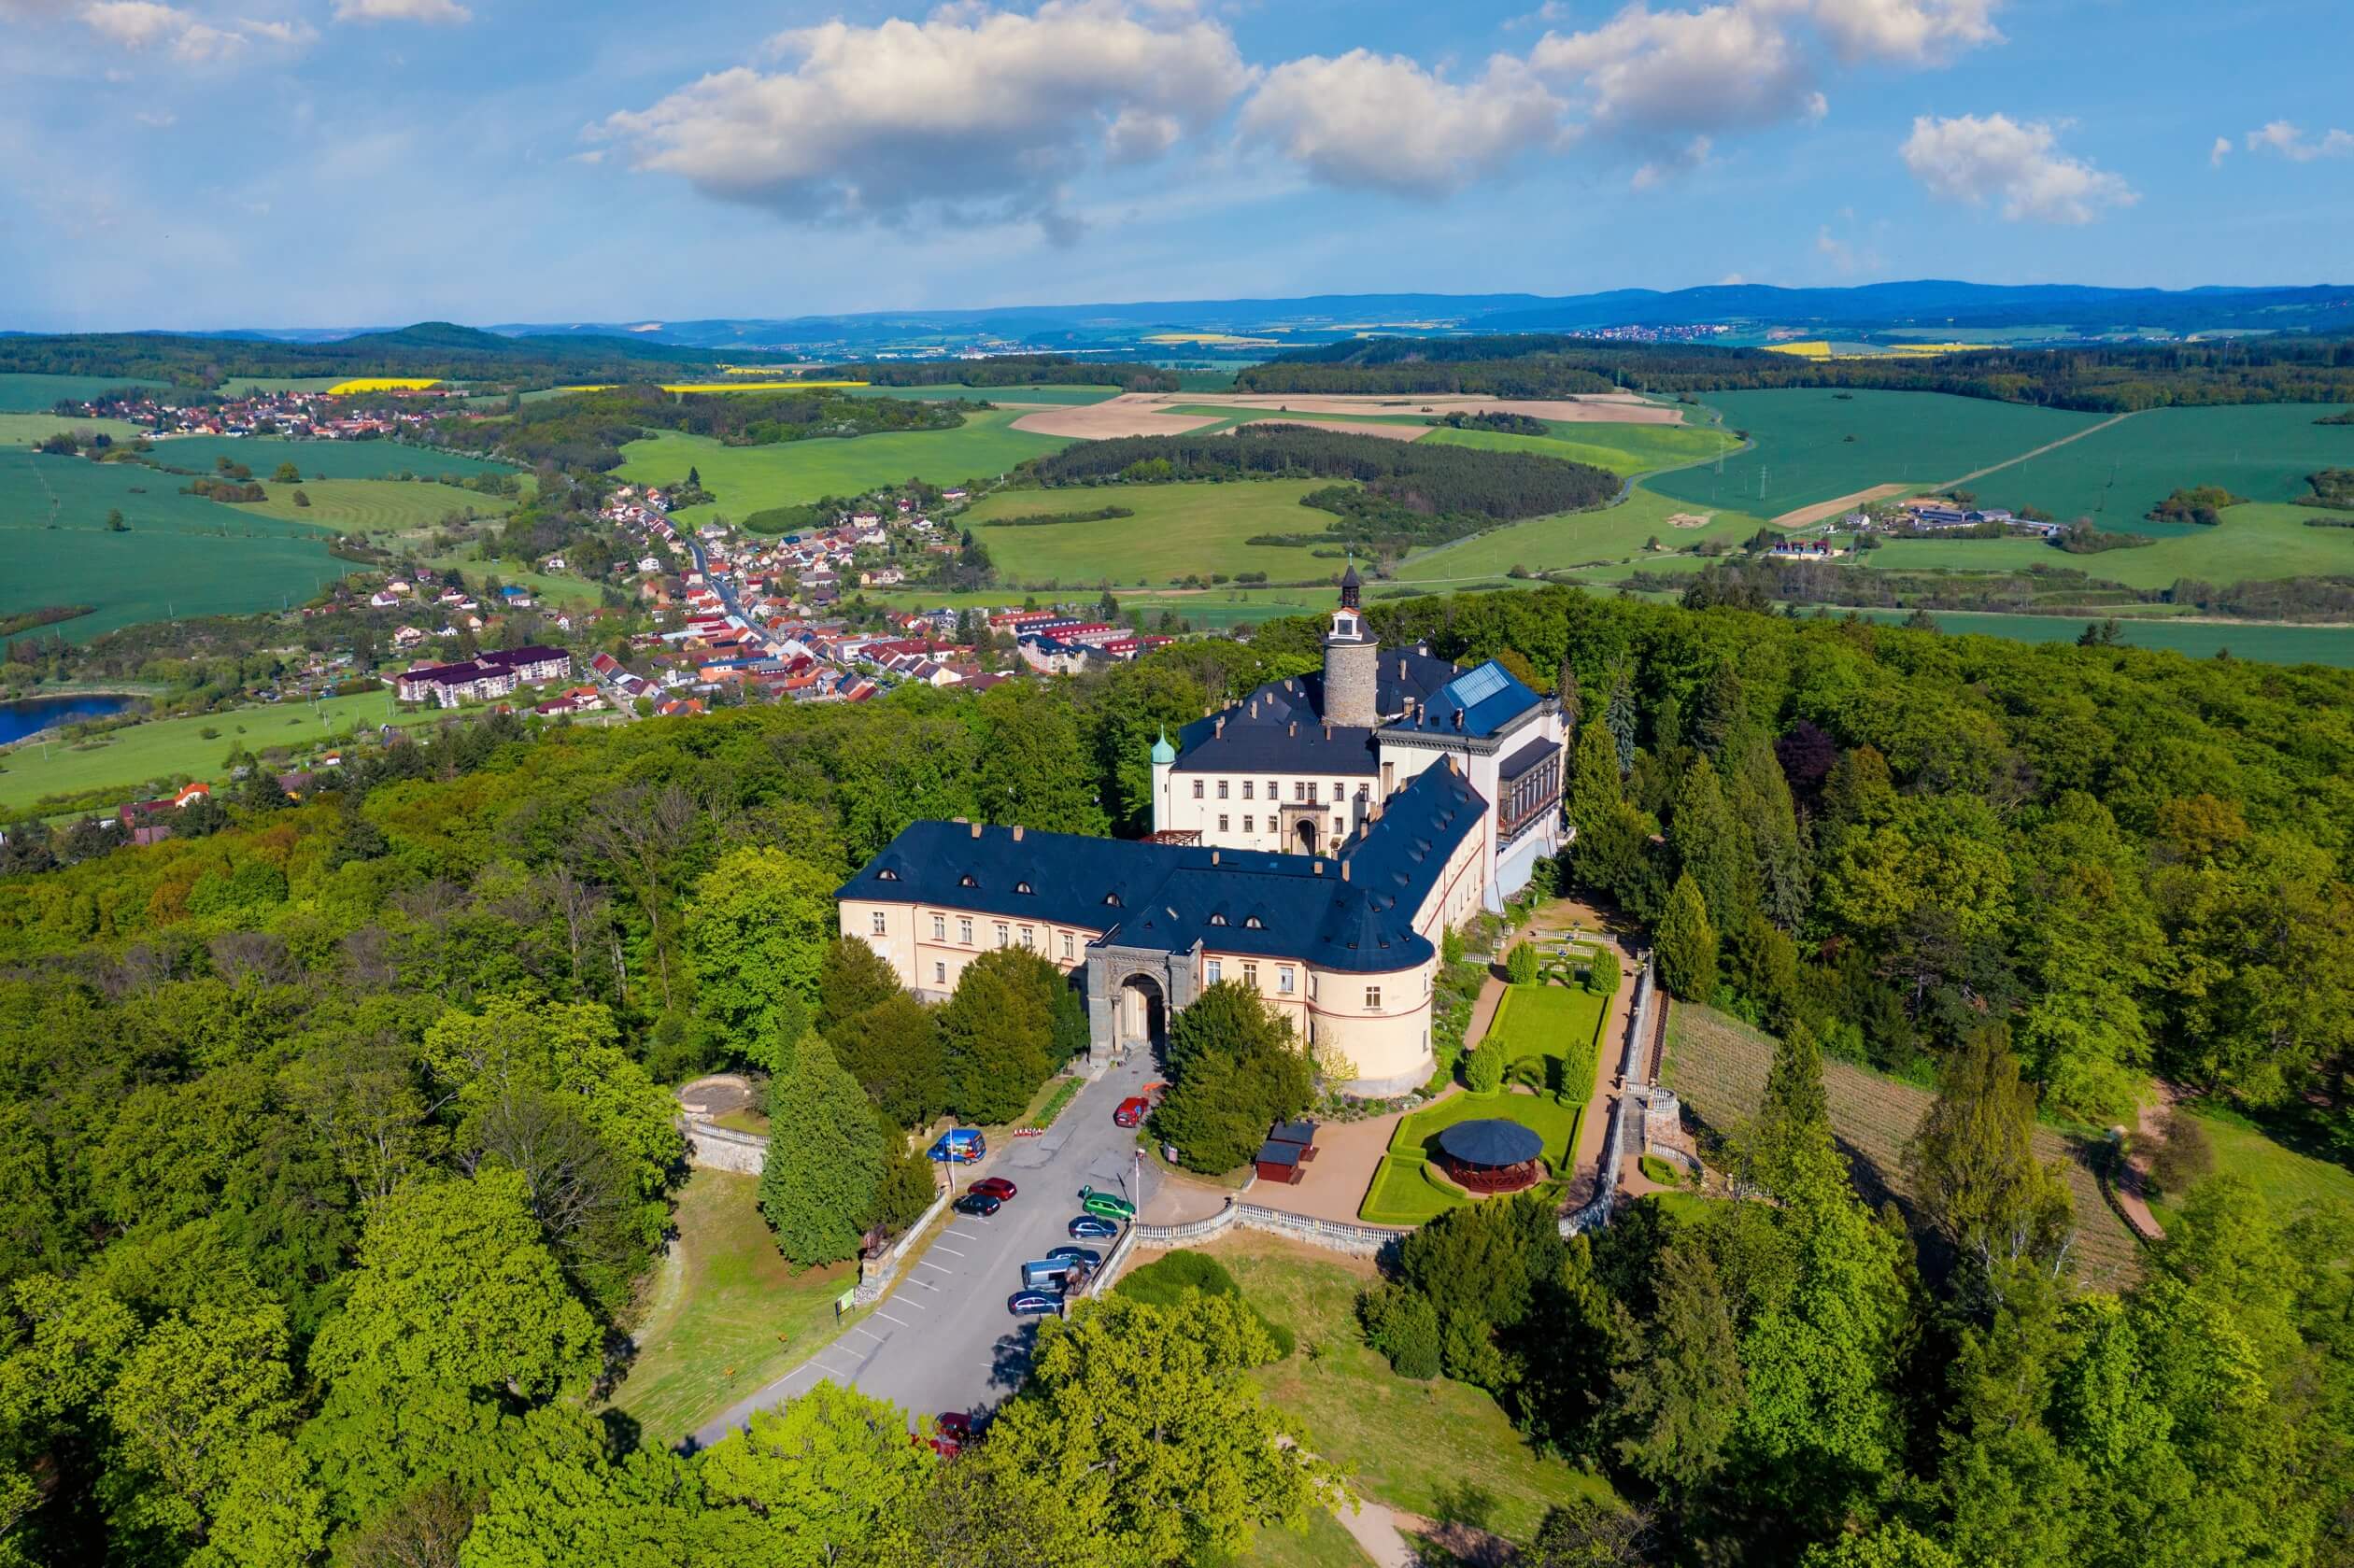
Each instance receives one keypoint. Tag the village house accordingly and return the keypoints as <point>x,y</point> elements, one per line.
<point>482,678</point>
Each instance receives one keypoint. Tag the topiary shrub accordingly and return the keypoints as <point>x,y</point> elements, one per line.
<point>1521,965</point>
<point>1602,971</point>
<point>1400,1322</point>
<point>1484,1070</point>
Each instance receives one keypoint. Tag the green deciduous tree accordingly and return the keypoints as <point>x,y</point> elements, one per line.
<point>1235,1068</point>
<point>997,1033</point>
<point>1973,1164</point>
<point>757,927</point>
<point>824,1479</point>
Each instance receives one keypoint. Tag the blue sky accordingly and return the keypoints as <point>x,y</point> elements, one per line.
<point>280,162</point>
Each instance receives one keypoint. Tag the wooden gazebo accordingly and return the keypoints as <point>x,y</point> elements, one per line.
<point>1492,1155</point>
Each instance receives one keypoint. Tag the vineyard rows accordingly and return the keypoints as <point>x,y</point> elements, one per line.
<point>1717,1064</point>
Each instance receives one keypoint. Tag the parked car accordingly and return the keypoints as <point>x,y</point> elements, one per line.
<point>983,1204</point>
<point>1088,1255</point>
<point>997,1187</point>
<point>1090,1227</point>
<point>1108,1205</point>
<point>959,1146</point>
<point>1132,1112</point>
<point>955,1425</point>
<point>1047,1274</point>
<point>1029,1303</point>
<point>941,1444</point>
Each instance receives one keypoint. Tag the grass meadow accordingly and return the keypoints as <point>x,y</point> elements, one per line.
<point>727,1314</point>
<point>30,429</point>
<point>165,751</point>
<point>1574,539</point>
<point>2251,542</point>
<point>1801,454</point>
<point>1625,450</point>
<point>1177,529</point>
<point>2266,644</point>
<point>180,555</point>
<point>373,505</point>
<point>1072,396</point>
<point>39,394</point>
<point>749,479</point>
<point>1422,1446</point>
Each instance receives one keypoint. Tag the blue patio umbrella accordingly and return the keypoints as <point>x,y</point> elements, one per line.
<point>1491,1141</point>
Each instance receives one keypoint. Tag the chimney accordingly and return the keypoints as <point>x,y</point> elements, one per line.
<point>1292,728</point>
<point>976,830</point>
<point>1344,871</point>
<point>1214,857</point>
<point>1402,667</point>
<point>961,820</point>
<point>1320,868</point>
<point>1018,832</point>
<point>1218,727</point>
<point>1327,730</point>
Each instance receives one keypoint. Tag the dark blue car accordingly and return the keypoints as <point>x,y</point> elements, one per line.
<point>1088,1255</point>
<point>1029,1303</point>
<point>1090,1227</point>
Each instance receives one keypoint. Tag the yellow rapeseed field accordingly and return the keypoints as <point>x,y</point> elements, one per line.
<point>730,386</point>
<point>1814,348</point>
<point>382,384</point>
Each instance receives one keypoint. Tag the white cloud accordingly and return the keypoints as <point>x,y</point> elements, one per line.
<point>437,12</point>
<point>980,113</point>
<point>1646,73</point>
<point>2220,151</point>
<point>1915,32</point>
<point>135,26</point>
<point>2290,142</point>
<point>1658,170</point>
<point>1383,122</point>
<point>1973,160</point>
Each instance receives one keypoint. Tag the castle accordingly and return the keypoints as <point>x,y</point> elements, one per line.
<point>1313,841</point>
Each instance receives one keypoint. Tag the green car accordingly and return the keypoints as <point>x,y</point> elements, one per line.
<point>1105,1205</point>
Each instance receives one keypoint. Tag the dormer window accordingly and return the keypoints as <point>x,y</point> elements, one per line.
<point>1253,922</point>
<point>886,874</point>
<point>1112,900</point>
<point>1021,887</point>
<point>1217,920</point>
<point>967,880</point>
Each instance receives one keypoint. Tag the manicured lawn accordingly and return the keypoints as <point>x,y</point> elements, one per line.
<point>749,479</point>
<point>1624,450</point>
<point>1580,539</point>
<point>1802,454</point>
<point>371,505</point>
<point>728,1315</point>
<point>167,749</point>
<point>1403,1194</point>
<point>1177,529</point>
<point>1408,1444</point>
<point>1326,1545</point>
<point>2289,1181</point>
<point>1560,1022</point>
<point>2256,542</point>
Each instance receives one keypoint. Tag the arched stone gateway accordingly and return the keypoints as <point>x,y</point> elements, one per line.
<point>1304,835</point>
<point>1132,992</point>
<point>1142,1018</point>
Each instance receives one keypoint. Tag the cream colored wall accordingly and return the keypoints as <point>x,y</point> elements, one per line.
<point>1175,807</point>
<point>932,965</point>
<point>1385,1044</point>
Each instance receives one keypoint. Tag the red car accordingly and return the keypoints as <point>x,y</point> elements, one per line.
<point>997,1187</point>
<point>1132,1112</point>
<point>955,1425</point>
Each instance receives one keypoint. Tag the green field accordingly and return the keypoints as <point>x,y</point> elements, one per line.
<point>1573,539</point>
<point>1625,449</point>
<point>237,384</point>
<point>1411,1445</point>
<point>166,750</point>
<point>30,429</point>
<point>2252,543</point>
<point>1177,529</point>
<point>181,556</point>
<point>728,1314</point>
<point>2291,1183</point>
<point>2260,451</point>
<point>373,505</point>
<point>555,588</point>
<point>319,460</point>
<point>749,479</point>
<point>1072,395</point>
<point>1800,453</point>
<point>39,394</point>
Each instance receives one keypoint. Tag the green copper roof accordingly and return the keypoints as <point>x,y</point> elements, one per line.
<point>1163,752</point>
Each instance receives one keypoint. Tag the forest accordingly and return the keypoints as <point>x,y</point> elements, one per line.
<point>587,431</point>
<point>276,1097</point>
<point>1405,493</point>
<point>2108,379</point>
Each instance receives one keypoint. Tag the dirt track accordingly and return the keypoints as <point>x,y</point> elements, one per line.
<point>1821,509</point>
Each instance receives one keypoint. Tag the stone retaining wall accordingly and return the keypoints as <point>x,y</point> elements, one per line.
<point>1333,1235</point>
<point>877,1274</point>
<point>717,1148</point>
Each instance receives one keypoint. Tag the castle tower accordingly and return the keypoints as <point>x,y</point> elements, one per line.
<point>1164,758</point>
<point>1352,661</point>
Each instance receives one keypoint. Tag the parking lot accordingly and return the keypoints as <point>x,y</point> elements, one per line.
<point>942,1339</point>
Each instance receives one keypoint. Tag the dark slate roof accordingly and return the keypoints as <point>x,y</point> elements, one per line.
<point>1278,728</point>
<point>1491,1141</point>
<point>1526,758</point>
<point>1488,697</point>
<point>1170,897</point>
<point>1275,1153</point>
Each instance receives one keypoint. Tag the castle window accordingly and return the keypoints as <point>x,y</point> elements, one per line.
<point>964,932</point>
<point>1002,932</point>
<point>940,973</point>
<point>1372,998</point>
<point>1029,936</point>
<point>882,924</point>
<point>939,927</point>
<point>1222,822</point>
<point>1068,955</point>
<point>1250,976</point>
<point>1246,789</point>
<point>1222,789</point>
<point>1284,982</point>
<point>1196,789</point>
<point>1212,971</point>
<point>1246,823</point>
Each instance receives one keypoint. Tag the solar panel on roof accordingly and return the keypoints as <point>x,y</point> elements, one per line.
<point>1479,686</point>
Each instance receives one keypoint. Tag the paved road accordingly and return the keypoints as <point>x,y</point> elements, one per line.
<point>942,1340</point>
